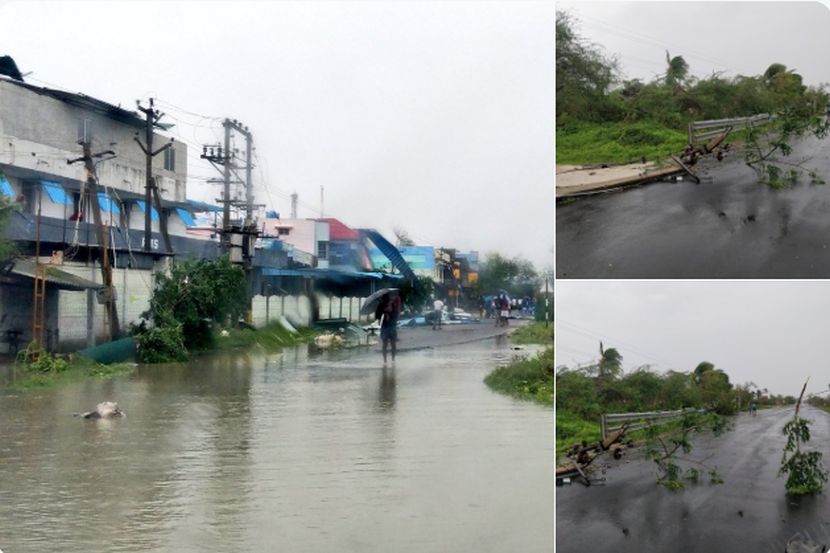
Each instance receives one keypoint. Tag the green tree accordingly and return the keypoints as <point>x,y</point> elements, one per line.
<point>197,294</point>
<point>584,75</point>
<point>610,363</point>
<point>805,471</point>
<point>517,276</point>
<point>415,296</point>
<point>677,70</point>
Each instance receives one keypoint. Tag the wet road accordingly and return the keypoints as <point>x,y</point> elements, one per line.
<point>729,226</point>
<point>284,453</point>
<point>703,517</point>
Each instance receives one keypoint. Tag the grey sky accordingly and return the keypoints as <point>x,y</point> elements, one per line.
<point>734,37</point>
<point>434,116</point>
<point>773,333</point>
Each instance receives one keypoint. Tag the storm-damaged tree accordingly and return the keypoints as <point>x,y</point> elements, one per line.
<point>805,471</point>
<point>677,70</point>
<point>584,75</point>
<point>668,446</point>
<point>768,147</point>
<point>188,302</point>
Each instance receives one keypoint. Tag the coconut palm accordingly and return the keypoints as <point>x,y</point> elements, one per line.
<point>676,71</point>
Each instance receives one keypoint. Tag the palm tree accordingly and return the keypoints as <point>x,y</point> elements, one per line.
<point>677,70</point>
<point>610,363</point>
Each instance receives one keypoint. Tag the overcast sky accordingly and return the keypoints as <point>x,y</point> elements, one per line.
<point>774,334</point>
<point>734,37</point>
<point>433,116</point>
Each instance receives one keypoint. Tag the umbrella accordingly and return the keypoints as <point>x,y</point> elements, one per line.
<point>371,303</point>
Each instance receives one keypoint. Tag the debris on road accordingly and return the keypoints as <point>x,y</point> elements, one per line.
<point>798,544</point>
<point>583,455</point>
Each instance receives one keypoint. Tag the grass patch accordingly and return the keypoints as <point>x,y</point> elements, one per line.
<point>580,143</point>
<point>525,378</point>
<point>534,333</point>
<point>270,338</point>
<point>570,430</point>
<point>46,375</point>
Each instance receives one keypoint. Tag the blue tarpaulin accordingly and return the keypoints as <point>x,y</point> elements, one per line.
<point>56,193</point>
<point>107,204</point>
<point>186,217</point>
<point>154,215</point>
<point>6,187</point>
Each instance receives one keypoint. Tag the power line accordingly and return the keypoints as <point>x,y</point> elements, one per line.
<point>611,339</point>
<point>646,39</point>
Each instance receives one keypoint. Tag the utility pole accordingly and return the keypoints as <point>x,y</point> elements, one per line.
<point>547,303</point>
<point>219,156</point>
<point>114,329</point>
<point>321,201</point>
<point>294,205</point>
<point>150,189</point>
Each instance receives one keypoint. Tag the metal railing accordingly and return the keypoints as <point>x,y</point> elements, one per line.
<point>614,421</point>
<point>700,131</point>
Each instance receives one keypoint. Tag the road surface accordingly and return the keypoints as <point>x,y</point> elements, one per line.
<point>729,226</point>
<point>748,512</point>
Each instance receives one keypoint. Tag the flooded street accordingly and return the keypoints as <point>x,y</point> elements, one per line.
<point>293,452</point>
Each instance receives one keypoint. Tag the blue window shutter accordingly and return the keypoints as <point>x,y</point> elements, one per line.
<point>154,215</point>
<point>6,187</point>
<point>56,193</point>
<point>106,203</point>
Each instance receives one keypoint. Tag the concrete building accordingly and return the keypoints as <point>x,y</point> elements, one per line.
<point>305,235</point>
<point>40,130</point>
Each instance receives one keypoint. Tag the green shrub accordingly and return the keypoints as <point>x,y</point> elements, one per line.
<point>525,378</point>
<point>45,363</point>
<point>197,294</point>
<point>534,333</point>
<point>161,344</point>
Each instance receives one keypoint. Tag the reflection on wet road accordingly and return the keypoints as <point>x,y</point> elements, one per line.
<point>290,453</point>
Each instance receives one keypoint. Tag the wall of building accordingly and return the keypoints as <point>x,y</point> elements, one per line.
<point>133,288</point>
<point>267,309</point>
<point>31,123</point>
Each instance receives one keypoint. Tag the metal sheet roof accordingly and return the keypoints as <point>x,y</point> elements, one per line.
<point>54,275</point>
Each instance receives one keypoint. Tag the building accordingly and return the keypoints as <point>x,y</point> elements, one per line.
<point>42,129</point>
<point>309,239</point>
<point>420,259</point>
<point>347,251</point>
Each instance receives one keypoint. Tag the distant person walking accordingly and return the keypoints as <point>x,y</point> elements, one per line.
<point>753,408</point>
<point>504,306</point>
<point>388,312</point>
<point>437,314</point>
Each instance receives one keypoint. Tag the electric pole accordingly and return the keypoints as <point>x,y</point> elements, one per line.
<point>150,189</point>
<point>294,205</point>
<point>224,157</point>
<point>114,329</point>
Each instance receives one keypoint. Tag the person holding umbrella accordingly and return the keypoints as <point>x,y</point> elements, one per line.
<point>388,312</point>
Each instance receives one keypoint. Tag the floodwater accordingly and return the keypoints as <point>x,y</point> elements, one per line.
<point>292,452</point>
<point>729,226</point>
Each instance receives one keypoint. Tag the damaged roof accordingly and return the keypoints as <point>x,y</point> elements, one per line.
<point>54,275</point>
<point>88,103</point>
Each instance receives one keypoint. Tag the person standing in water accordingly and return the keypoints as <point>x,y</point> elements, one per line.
<point>388,312</point>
